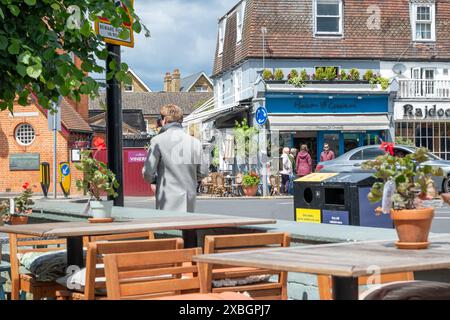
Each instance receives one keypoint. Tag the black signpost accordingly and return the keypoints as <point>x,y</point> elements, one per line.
<point>114,124</point>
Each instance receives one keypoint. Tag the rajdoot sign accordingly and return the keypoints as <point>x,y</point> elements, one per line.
<point>409,111</point>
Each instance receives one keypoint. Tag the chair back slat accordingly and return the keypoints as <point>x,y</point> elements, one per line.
<point>98,250</point>
<point>139,274</point>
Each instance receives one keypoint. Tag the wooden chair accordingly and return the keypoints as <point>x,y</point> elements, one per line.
<point>237,186</point>
<point>148,275</point>
<point>146,235</point>
<point>95,267</point>
<point>219,184</point>
<point>229,243</point>
<point>207,184</point>
<point>325,283</point>
<point>27,283</point>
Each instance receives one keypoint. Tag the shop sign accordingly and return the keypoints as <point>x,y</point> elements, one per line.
<point>24,162</point>
<point>137,156</point>
<point>422,111</point>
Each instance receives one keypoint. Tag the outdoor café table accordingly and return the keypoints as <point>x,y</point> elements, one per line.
<point>344,262</point>
<point>75,231</point>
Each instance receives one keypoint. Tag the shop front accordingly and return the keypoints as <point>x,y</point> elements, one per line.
<point>424,124</point>
<point>344,121</point>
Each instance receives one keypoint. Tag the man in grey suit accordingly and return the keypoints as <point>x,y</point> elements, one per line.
<point>177,162</point>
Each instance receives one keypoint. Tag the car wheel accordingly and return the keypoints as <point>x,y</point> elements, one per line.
<point>446,185</point>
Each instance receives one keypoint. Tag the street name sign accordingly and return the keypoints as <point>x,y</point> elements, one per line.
<point>111,34</point>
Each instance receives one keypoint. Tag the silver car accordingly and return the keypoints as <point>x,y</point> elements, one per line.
<point>352,160</point>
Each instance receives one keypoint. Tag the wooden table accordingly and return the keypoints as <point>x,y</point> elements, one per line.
<point>75,231</point>
<point>344,262</point>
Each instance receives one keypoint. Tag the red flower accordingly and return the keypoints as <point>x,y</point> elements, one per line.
<point>388,147</point>
<point>99,143</point>
<point>26,185</point>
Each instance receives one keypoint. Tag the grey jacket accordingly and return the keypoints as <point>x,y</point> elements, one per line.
<point>178,161</point>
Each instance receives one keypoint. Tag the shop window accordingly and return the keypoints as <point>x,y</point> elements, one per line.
<point>25,134</point>
<point>328,17</point>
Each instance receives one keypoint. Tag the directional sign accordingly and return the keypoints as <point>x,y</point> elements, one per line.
<point>261,116</point>
<point>110,34</point>
<point>65,178</point>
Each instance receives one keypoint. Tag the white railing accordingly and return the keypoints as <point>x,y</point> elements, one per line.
<point>428,89</point>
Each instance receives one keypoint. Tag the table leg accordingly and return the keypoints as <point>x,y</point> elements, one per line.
<point>345,288</point>
<point>190,238</point>
<point>75,251</point>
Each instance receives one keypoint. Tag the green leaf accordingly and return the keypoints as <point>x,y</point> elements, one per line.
<point>2,15</point>
<point>137,27</point>
<point>25,58</point>
<point>86,29</point>
<point>3,42</point>
<point>14,48</point>
<point>22,70</point>
<point>15,10</point>
<point>30,2</point>
<point>34,71</point>
<point>55,6</point>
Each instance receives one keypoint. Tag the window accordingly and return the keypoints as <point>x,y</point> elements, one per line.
<point>240,22</point>
<point>372,153</point>
<point>423,22</point>
<point>25,134</point>
<point>445,72</point>
<point>128,88</point>
<point>328,17</point>
<point>425,86</point>
<point>201,89</point>
<point>222,28</point>
<point>237,85</point>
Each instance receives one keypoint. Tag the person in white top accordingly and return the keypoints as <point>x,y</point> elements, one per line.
<point>286,171</point>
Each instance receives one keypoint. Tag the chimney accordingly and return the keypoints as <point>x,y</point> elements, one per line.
<point>168,82</point>
<point>176,83</point>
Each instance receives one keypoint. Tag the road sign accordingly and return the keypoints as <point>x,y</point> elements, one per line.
<point>45,178</point>
<point>110,34</point>
<point>65,178</point>
<point>261,116</point>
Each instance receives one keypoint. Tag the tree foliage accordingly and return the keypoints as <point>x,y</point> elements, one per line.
<point>37,38</point>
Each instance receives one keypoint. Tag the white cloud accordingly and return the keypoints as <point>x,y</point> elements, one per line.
<point>183,36</point>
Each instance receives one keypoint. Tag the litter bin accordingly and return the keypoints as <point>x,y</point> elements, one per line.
<point>309,197</point>
<point>346,202</point>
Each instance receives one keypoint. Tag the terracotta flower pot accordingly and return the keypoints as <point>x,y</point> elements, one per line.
<point>250,191</point>
<point>413,227</point>
<point>17,220</point>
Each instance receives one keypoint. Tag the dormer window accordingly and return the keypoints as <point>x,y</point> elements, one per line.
<point>222,28</point>
<point>240,22</point>
<point>423,21</point>
<point>328,17</point>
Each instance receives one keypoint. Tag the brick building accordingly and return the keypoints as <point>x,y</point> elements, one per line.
<point>25,142</point>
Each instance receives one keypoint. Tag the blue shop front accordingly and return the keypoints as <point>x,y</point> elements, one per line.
<point>344,118</point>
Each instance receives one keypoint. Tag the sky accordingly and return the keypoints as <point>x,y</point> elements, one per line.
<point>183,36</point>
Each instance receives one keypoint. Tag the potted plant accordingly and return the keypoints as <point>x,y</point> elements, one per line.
<point>250,183</point>
<point>97,180</point>
<point>404,184</point>
<point>267,75</point>
<point>278,75</point>
<point>22,207</point>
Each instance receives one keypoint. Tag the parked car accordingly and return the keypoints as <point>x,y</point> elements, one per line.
<point>352,161</point>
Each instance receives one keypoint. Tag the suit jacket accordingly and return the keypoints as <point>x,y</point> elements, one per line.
<point>178,161</point>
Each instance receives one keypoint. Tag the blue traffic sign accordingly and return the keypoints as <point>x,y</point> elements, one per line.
<point>261,116</point>
<point>65,170</point>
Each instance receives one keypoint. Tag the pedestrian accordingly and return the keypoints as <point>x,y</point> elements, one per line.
<point>293,157</point>
<point>286,171</point>
<point>176,163</point>
<point>304,162</point>
<point>327,154</point>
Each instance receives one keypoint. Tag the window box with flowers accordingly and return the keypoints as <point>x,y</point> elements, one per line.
<point>250,184</point>
<point>22,207</point>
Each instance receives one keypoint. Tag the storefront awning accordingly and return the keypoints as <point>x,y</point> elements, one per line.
<point>329,123</point>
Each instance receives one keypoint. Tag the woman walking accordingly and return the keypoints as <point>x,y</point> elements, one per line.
<point>304,162</point>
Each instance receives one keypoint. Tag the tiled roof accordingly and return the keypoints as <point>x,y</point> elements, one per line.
<point>188,82</point>
<point>72,120</point>
<point>151,102</point>
<point>289,26</point>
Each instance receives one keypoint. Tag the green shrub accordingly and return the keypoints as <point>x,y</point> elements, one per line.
<point>298,82</point>
<point>278,75</point>
<point>330,73</point>
<point>320,74</point>
<point>344,75</point>
<point>304,75</point>
<point>354,74</point>
<point>293,74</point>
<point>267,74</point>
<point>368,75</point>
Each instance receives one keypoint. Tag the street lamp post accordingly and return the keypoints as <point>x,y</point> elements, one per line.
<point>114,123</point>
